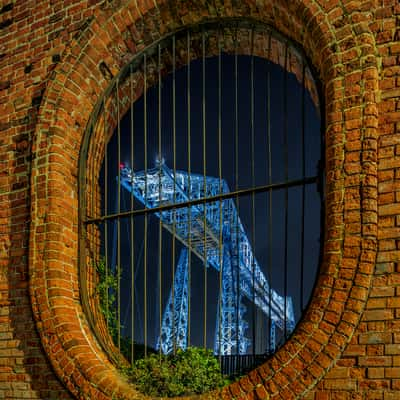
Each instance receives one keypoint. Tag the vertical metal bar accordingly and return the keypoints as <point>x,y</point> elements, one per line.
<point>321,169</point>
<point>189,184</point>
<point>253,183</point>
<point>118,220</point>
<point>203,41</point>
<point>237,188</point>
<point>220,186</point>
<point>160,280</point>
<point>106,203</point>
<point>285,144</point>
<point>132,244</point>
<point>159,195</point>
<point>303,189</point>
<point>93,196</point>
<point>92,174</point>
<point>145,197</point>
<point>269,152</point>
<point>174,168</point>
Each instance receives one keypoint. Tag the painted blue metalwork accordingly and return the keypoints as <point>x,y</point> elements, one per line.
<point>217,236</point>
<point>175,322</point>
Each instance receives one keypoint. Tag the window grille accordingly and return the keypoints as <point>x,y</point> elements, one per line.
<point>205,204</point>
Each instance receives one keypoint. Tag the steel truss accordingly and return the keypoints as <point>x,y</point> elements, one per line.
<point>213,231</point>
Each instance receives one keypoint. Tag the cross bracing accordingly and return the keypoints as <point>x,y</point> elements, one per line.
<point>213,231</point>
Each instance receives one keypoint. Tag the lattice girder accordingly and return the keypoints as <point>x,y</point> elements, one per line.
<point>205,229</point>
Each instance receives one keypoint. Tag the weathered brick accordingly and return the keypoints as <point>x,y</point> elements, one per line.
<point>375,373</point>
<point>355,350</point>
<point>378,315</point>
<point>375,361</point>
<point>35,38</point>
<point>382,291</point>
<point>392,349</point>
<point>340,384</point>
<point>375,338</point>
<point>338,373</point>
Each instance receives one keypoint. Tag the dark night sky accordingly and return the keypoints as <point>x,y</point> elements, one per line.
<point>257,234</point>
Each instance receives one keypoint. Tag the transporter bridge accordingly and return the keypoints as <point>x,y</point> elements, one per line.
<point>211,229</point>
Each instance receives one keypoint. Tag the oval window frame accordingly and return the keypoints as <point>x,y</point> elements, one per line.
<point>274,39</point>
<point>318,321</point>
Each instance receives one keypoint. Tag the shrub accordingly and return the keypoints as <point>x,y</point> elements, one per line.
<point>191,371</point>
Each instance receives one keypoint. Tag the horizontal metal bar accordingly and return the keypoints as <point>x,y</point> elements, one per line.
<point>204,200</point>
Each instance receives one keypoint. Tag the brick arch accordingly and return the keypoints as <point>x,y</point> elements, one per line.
<point>345,61</point>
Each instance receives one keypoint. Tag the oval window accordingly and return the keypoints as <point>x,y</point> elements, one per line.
<point>203,219</point>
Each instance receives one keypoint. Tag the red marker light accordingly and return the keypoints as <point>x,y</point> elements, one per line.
<point>121,166</point>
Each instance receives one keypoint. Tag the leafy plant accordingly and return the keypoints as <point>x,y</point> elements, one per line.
<point>106,290</point>
<point>190,371</point>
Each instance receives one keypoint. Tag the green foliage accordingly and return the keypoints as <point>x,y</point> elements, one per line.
<point>139,349</point>
<point>192,371</point>
<point>106,290</point>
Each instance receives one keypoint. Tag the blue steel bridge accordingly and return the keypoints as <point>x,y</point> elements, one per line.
<point>213,231</point>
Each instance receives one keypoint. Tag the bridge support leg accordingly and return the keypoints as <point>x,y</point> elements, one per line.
<point>175,318</point>
<point>272,337</point>
<point>230,324</point>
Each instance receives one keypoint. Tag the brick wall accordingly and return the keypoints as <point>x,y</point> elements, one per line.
<point>52,58</point>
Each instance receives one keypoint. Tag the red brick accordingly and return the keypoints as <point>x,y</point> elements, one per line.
<point>375,361</point>
<point>54,27</point>
<point>392,349</point>
<point>376,373</point>
<point>375,337</point>
<point>340,384</point>
<point>377,315</point>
